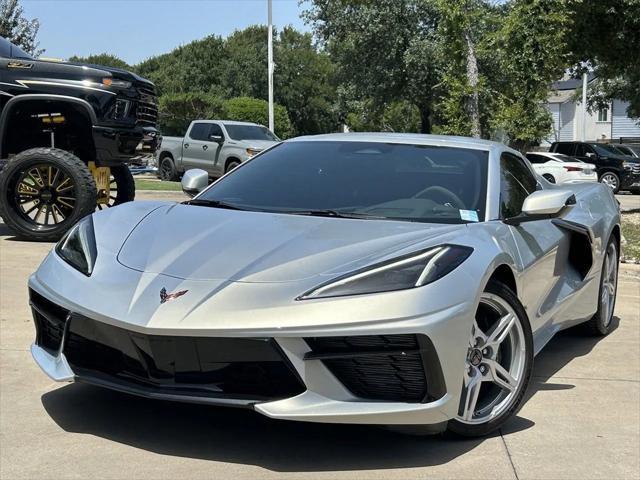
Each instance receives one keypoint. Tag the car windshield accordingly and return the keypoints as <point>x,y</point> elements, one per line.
<point>605,149</point>
<point>8,49</point>
<point>367,180</point>
<point>249,132</point>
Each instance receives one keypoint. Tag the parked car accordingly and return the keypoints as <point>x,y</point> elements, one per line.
<point>559,168</point>
<point>67,132</point>
<point>632,150</point>
<point>385,279</point>
<point>620,172</point>
<point>216,146</point>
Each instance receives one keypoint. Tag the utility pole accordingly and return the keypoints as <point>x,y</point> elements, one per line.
<point>270,64</point>
<point>583,136</point>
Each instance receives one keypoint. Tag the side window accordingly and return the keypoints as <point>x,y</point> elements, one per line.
<point>199,131</point>
<point>583,149</point>
<point>516,183</point>
<point>5,48</point>
<point>566,148</point>
<point>215,130</point>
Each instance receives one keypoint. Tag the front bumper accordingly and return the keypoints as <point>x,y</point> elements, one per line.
<point>324,396</point>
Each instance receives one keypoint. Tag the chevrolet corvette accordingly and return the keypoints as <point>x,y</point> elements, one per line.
<point>387,279</point>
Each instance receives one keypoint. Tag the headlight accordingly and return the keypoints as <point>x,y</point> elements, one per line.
<point>408,271</point>
<point>78,246</point>
<point>628,165</point>
<point>253,151</point>
<point>112,82</point>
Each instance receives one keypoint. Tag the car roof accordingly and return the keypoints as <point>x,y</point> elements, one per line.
<point>228,122</point>
<point>406,138</point>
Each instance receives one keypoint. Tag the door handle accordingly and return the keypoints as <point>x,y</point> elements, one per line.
<point>186,145</point>
<point>204,147</point>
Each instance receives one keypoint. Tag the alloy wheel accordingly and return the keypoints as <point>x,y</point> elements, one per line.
<point>609,284</point>
<point>45,195</point>
<point>610,181</point>
<point>495,363</point>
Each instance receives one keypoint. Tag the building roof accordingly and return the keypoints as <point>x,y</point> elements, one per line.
<point>569,83</point>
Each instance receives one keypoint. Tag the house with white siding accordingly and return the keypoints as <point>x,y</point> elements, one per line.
<point>610,124</point>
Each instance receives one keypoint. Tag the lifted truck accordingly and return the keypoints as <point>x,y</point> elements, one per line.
<point>66,133</point>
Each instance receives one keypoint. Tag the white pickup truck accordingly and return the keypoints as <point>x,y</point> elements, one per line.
<point>216,146</point>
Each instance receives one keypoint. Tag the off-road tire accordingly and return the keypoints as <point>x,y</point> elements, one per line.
<point>125,187</point>
<point>84,192</point>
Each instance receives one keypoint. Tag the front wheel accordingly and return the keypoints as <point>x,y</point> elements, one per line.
<point>498,364</point>
<point>611,180</point>
<point>45,191</point>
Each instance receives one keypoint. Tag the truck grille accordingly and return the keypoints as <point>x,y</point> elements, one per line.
<point>394,368</point>
<point>635,169</point>
<point>147,106</point>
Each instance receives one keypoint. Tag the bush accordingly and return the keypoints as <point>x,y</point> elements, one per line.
<point>247,109</point>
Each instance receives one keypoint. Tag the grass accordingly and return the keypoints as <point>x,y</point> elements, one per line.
<point>631,234</point>
<point>143,184</point>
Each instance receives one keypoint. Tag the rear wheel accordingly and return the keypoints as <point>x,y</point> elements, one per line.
<point>600,323</point>
<point>122,187</point>
<point>167,169</point>
<point>44,191</point>
<point>498,364</point>
<point>611,180</point>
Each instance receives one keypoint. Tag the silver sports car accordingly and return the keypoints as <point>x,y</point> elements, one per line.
<point>388,279</point>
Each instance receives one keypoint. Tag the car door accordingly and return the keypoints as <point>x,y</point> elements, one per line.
<point>537,242</point>
<point>215,149</point>
<point>197,150</point>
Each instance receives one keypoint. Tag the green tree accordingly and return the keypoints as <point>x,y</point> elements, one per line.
<point>177,110</point>
<point>244,71</point>
<point>531,49</point>
<point>17,29</point>
<point>385,50</point>
<point>195,67</point>
<point>105,59</point>
<point>606,35</point>
<point>247,109</point>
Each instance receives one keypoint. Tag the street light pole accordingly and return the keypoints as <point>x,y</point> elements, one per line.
<point>270,66</point>
<point>583,135</point>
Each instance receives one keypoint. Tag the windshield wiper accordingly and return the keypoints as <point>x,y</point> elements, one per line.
<point>332,213</point>
<point>201,202</point>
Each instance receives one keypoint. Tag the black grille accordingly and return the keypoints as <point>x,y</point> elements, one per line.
<point>399,368</point>
<point>207,367</point>
<point>49,319</point>
<point>147,106</point>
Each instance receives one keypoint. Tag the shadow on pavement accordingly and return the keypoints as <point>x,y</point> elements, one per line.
<point>245,437</point>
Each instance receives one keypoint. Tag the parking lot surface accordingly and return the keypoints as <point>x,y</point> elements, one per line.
<point>582,419</point>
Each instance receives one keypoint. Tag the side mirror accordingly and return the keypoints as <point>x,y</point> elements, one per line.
<point>194,181</point>
<point>543,204</point>
<point>216,138</point>
<point>591,154</point>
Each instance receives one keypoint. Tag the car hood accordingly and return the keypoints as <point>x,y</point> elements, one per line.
<point>257,144</point>
<point>203,243</point>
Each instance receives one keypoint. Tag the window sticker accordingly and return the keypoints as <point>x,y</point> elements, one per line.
<point>469,215</point>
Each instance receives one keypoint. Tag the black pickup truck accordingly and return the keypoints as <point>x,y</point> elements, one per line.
<point>614,168</point>
<point>67,131</point>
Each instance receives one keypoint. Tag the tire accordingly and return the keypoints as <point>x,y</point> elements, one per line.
<point>54,184</point>
<point>231,164</point>
<point>600,323</point>
<point>549,178</point>
<point>487,363</point>
<point>611,180</point>
<point>122,187</point>
<point>167,169</point>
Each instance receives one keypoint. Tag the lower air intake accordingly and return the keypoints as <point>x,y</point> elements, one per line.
<point>392,368</point>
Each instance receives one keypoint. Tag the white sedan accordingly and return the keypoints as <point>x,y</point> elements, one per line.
<point>559,168</point>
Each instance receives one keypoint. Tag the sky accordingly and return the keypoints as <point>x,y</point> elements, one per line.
<point>138,29</point>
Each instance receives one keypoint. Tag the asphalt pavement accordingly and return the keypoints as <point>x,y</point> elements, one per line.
<point>582,418</point>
